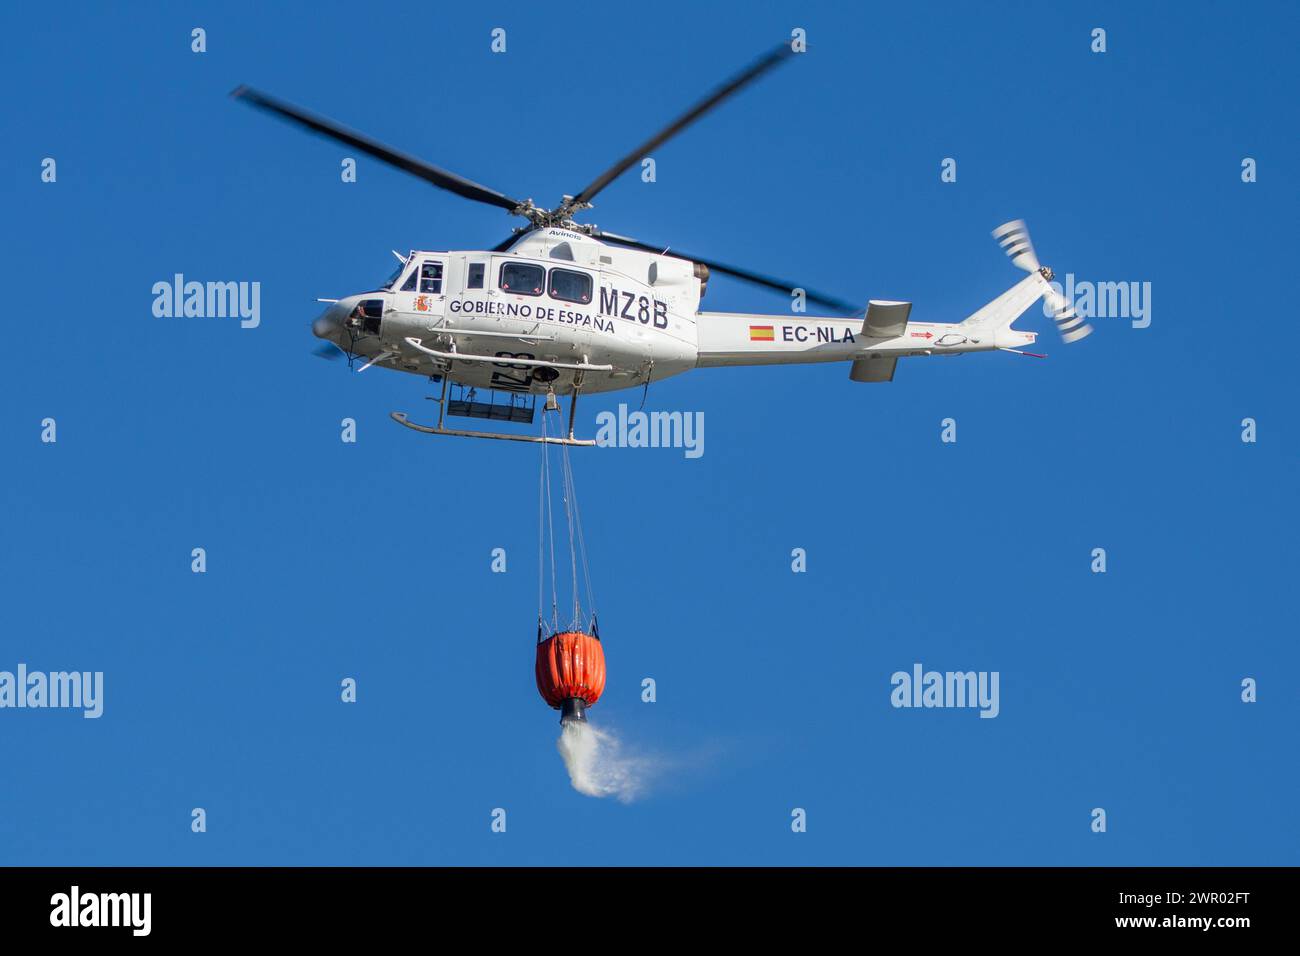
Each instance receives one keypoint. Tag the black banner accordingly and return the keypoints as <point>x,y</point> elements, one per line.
<point>334,905</point>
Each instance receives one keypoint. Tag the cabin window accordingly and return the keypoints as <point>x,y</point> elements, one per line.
<point>570,286</point>
<point>431,277</point>
<point>522,278</point>
<point>475,278</point>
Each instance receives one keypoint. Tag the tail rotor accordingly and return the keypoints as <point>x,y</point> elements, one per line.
<point>1014,239</point>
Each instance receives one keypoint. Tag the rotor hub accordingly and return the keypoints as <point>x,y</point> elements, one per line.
<point>561,217</point>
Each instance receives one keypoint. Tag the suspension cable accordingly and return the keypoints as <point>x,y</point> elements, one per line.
<point>573,538</point>
<point>541,539</point>
<point>546,532</point>
<point>550,521</point>
<point>580,541</point>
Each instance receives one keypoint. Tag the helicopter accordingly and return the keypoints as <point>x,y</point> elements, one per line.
<point>562,307</point>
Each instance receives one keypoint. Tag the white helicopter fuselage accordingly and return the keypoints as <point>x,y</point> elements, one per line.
<point>556,298</point>
<point>559,309</point>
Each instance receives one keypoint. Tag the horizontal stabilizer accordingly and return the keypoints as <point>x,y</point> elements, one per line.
<point>877,368</point>
<point>886,320</point>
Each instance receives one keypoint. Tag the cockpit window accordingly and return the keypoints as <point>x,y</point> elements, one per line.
<point>409,284</point>
<point>397,274</point>
<point>522,278</point>
<point>570,286</point>
<point>431,277</point>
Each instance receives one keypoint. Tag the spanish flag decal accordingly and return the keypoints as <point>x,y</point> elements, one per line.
<point>761,333</point>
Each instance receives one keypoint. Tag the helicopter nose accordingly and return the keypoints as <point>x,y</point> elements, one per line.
<point>329,321</point>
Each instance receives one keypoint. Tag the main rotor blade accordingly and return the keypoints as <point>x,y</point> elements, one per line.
<point>505,244</point>
<point>780,285</point>
<point>441,178</point>
<point>779,55</point>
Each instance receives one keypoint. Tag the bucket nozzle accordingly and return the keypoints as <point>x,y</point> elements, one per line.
<point>574,708</point>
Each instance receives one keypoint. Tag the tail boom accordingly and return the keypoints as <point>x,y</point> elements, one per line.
<point>742,338</point>
<point>874,344</point>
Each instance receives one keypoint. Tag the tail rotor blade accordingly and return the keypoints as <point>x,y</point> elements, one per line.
<point>1068,322</point>
<point>1013,237</point>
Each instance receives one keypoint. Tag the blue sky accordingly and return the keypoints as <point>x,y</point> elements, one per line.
<point>371,560</point>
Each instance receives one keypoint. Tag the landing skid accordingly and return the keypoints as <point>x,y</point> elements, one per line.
<point>401,419</point>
